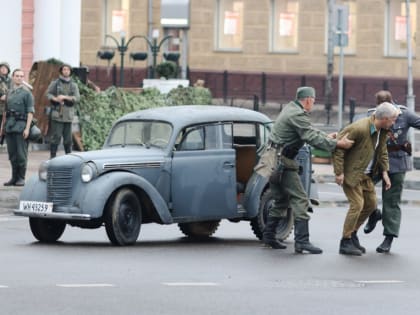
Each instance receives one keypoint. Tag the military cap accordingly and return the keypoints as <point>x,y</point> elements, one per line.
<point>6,65</point>
<point>65,65</point>
<point>305,91</point>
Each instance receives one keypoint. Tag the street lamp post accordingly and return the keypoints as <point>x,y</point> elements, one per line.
<point>122,48</point>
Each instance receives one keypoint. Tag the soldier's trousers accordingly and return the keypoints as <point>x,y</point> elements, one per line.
<point>61,129</point>
<point>289,193</point>
<point>17,149</point>
<point>391,200</point>
<point>362,202</point>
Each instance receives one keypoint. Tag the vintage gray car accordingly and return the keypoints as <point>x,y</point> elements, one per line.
<point>190,165</point>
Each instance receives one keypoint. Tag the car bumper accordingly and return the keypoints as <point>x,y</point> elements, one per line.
<point>54,215</point>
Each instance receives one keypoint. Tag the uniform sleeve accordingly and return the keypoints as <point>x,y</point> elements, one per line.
<point>51,90</point>
<point>413,119</point>
<point>339,154</point>
<point>29,104</point>
<point>383,160</point>
<point>76,93</point>
<point>310,135</point>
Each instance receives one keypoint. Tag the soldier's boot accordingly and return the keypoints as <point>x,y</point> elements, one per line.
<point>21,172</point>
<point>356,242</point>
<point>302,243</point>
<point>67,148</point>
<point>347,247</point>
<point>269,234</point>
<point>53,150</point>
<point>385,247</point>
<point>374,217</point>
<point>12,181</point>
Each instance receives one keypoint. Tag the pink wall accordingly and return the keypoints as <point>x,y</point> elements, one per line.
<point>27,35</point>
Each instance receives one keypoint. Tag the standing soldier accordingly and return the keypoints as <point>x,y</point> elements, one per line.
<point>63,94</point>
<point>4,86</point>
<point>19,114</point>
<point>399,154</point>
<point>290,132</point>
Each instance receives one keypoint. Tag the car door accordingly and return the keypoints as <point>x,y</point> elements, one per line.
<point>203,183</point>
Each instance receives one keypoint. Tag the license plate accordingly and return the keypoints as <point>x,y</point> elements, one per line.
<point>36,206</point>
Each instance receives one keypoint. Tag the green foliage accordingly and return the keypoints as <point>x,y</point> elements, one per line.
<point>98,111</point>
<point>167,69</point>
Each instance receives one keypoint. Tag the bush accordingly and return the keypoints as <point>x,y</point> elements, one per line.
<point>98,111</point>
<point>167,69</point>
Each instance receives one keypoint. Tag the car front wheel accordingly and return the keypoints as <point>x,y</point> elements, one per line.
<point>123,218</point>
<point>47,230</point>
<point>285,225</point>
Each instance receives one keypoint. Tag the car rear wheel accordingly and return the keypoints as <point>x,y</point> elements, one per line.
<point>199,229</point>
<point>46,230</point>
<point>123,218</point>
<point>285,225</point>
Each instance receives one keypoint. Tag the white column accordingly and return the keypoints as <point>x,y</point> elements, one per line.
<point>57,30</point>
<point>11,32</point>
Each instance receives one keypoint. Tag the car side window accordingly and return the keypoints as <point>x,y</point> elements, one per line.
<point>193,139</point>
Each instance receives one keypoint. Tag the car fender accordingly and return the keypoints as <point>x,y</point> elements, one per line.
<point>34,190</point>
<point>97,193</point>
<point>253,192</point>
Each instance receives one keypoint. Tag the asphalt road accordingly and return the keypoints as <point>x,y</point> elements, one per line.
<point>164,273</point>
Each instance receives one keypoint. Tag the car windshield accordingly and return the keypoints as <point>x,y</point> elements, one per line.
<point>140,132</point>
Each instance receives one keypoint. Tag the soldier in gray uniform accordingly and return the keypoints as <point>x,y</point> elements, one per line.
<point>399,151</point>
<point>4,86</point>
<point>16,126</point>
<point>290,132</point>
<point>64,95</point>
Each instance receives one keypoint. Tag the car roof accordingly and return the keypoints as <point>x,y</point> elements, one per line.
<point>195,114</point>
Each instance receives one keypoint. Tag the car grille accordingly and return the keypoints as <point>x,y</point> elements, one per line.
<point>59,186</point>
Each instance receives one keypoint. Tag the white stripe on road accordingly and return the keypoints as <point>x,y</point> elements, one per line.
<point>85,285</point>
<point>7,218</point>
<point>3,286</point>
<point>190,284</point>
<point>379,281</point>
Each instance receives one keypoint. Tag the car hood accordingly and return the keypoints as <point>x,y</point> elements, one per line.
<point>114,158</point>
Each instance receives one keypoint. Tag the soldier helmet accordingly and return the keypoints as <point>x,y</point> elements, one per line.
<point>5,64</point>
<point>65,65</point>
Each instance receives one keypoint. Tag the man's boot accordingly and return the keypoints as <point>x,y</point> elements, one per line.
<point>374,217</point>
<point>356,242</point>
<point>12,181</point>
<point>302,238</point>
<point>21,172</point>
<point>385,247</point>
<point>347,247</point>
<point>269,234</point>
<point>53,150</point>
<point>67,148</point>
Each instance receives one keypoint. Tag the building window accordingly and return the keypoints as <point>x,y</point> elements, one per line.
<point>352,27</point>
<point>284,25</point>
<point>229,24</point>
<point>396,28</point>
<point>116,18</point>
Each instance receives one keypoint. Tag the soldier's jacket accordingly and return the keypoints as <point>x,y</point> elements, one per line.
<point>4,87</point>
<point>400,161</point>
<point>20,102</point>
<point>63,113</point>
<point>293,127</point>
<point>354,161</point>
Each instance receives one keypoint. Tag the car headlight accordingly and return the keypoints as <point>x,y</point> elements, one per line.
<point>43,171</point>
<point>88,172</point>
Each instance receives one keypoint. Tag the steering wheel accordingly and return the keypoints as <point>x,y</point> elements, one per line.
<point>159,142</point>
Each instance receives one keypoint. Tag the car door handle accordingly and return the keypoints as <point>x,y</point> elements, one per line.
<point>228,165</point>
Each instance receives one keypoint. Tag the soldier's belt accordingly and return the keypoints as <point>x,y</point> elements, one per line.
<point>16,115</point>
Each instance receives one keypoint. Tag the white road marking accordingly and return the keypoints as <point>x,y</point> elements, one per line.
<point>3,286</point>
<point>85,285</point>
<point>191,284</point>
<point>380,281</point>
<point>7,218</point>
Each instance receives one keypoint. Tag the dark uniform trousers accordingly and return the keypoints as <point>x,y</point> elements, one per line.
<point>17,149</point>
<point>391,211</point>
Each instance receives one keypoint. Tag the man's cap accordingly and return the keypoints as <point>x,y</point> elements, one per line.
<point>6,65</point>
<point>305,91</point>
